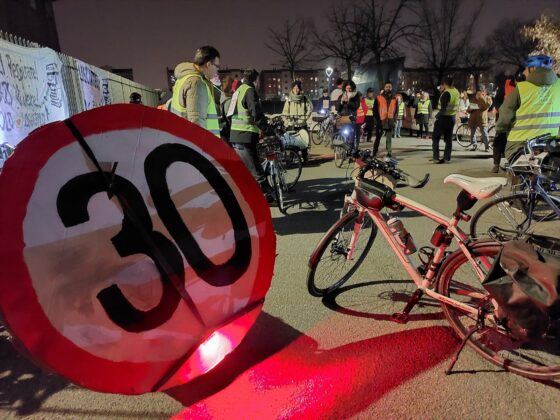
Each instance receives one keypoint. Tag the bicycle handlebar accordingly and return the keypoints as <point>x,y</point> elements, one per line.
<point>387,166</point>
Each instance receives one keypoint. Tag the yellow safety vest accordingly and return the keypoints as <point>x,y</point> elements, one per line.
<point>212,122</point>
<point>242,121</point>
<point>423,106</point>
<point>369,104</point>
<point>400,110</point>
<point>539,112</point>
<point>453,105</point>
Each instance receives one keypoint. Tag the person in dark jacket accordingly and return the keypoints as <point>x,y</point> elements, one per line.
<point>348,105</point>
<point>225,101</point>
<point>445,121</point>
<point>248,123</point>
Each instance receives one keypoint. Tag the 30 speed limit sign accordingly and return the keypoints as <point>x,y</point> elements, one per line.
<point>130,240</point>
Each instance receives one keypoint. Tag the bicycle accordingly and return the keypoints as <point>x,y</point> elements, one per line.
<point>343,145</point>
<point>323,129</point>
<point>463,136</point>
<point>451,278</point>
<point>530,210</point>
<point>282,168</point>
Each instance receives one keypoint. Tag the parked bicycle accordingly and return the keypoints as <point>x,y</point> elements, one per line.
<point>451,278</point>
<point>282,166</point>
<point>463,136</point>
<point>343,145</point>
<point>323,129</point>
<point>531,208</point>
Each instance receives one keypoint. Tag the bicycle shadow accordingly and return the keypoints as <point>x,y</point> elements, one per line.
<point>389,298</point>
<point>313,206</point>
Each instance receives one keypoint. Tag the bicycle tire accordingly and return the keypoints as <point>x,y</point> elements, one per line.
<point>291,164</point>
<point>334,244</point>
<point>493,342</point>
<point>463,135</point>
<point>278,194</point>
<point>509,215</point>
<point>317,134</point>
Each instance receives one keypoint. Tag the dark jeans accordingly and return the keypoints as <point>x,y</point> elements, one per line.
<point>247,152</point>
<point>388,138</point>
<point>370,122</point>
<point>443,126</point>
<point>423,128</point>
<point>499,148</point>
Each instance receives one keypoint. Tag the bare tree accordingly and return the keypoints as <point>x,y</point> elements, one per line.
<point>344,39</point>
<point>476,59</point>
<point>442,41</point>
<point>510,47</point>
<point>291,44</point>
<point>385,26</point>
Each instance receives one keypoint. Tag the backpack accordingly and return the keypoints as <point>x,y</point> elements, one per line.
<point>526,285</point>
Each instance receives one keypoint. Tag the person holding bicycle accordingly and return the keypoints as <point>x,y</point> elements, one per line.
<point>530,110</point>
<point>248,123</point>
<point>347,108</point>
<point>297,110</point>
<point>478,117</point>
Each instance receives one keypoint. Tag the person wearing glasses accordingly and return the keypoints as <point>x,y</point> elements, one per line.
<point>193,96</point>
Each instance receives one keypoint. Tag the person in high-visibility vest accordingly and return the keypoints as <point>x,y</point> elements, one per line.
<point>385,111</point>
<point>193,93</point>
<point>248,123</point>
<point>399,117</point>
<point>423,114</point>
<point>370,118</point>
<point>445,121</point>
<point>531,109</point>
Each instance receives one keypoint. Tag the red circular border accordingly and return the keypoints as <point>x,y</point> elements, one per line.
<point>19,305</point>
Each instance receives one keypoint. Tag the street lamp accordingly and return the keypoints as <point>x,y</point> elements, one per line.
<point>329,72</point>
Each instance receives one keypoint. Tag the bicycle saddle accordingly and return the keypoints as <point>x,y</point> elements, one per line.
<point>477,187</point>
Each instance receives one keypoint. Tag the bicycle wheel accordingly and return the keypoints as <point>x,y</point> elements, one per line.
<point>458,280</point>
<point>515,215</point>
<point>329,267</point>
<point>277,188</point>
<point>290,164</point>
<point>328,134</point>
<point>463,135</point>
<point>317,134</point>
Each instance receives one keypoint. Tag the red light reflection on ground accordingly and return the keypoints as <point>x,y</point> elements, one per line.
<point>302,381</point>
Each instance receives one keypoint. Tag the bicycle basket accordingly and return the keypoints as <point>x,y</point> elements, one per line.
<point>269,146</point>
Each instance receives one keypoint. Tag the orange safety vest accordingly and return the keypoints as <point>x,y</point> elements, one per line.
<point>385,113</point>
<point>361,112</point>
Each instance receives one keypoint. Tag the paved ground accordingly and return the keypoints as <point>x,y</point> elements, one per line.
<point>310,358</point>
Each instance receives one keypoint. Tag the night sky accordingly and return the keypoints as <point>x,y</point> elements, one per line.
<point>149,35</point>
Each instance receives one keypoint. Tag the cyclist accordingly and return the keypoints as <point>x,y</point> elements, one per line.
<point>297,110</point>
<point>530,110</point>
<point>349,103</point>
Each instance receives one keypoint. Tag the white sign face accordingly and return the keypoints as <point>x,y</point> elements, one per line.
<point>95,86</point>
<point>31,91</point>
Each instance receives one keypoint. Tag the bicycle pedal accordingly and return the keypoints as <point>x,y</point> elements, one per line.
<point>400,317</point>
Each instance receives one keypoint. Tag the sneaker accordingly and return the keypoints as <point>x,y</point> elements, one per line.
<point>495,169</point>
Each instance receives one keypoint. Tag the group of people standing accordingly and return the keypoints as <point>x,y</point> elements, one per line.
<point>239,118</point>
<point>383,112</point>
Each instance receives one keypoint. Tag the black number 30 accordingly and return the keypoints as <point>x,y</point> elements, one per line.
<point>72,202</point>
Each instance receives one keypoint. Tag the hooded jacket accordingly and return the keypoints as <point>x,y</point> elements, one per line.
<point>539,77</point>
<point>193,94</point>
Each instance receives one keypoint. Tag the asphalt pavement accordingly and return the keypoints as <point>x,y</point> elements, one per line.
<point>308,357</point>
